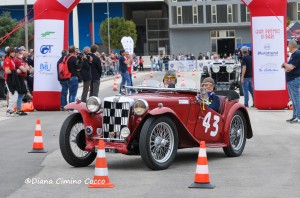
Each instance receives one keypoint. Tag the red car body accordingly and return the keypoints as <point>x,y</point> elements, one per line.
<point>184,122</point>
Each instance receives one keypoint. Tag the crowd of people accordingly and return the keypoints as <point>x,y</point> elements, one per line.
<point>16,78</point>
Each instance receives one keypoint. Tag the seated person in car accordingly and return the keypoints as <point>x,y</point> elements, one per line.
<point>170,79</point>
<point>213,99</point>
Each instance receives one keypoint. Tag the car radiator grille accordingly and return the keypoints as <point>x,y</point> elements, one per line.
<point>115,117</point>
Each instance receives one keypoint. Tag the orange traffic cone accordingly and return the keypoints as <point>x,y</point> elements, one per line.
<point>118,75</point>
<point>144,82</point>
<point>178,73</point>
<point>115,85</point>
<point>151,74</point>
<point>183,82</point>
<point>101,179</point>
<point>202,175</point>
<point>38,145</point>
<point>134,74</point>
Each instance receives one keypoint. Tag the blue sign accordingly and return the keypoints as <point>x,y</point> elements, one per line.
<point>45,66</point>
<point>45,49</point>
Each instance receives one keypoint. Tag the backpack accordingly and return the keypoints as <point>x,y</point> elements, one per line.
<point>63,70</point>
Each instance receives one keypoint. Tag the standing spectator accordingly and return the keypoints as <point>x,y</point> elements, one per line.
<point>63,83</point>
<point>166,60</point>
<point>160,62</point>
<point>200,57</point>
<point>246,78</point>
<point>153,65</point>
<point>124,69</point>
<point>129,68</point>
<point>86,73</point>
<point>2,80</point>
<point>135,63</point>
<point>96,70</point>
<point>292,69</point>
<point>22,69</point>
<point>116,59</point>
<point>141,63</point>
<point>30,73</point>
<point>74,67</point>
<point>10,73</point>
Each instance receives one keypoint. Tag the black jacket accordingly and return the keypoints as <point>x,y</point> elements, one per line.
<point>16,83</point>
<point>73,66</point>
<point>96,68</point>
<point>85,71</point>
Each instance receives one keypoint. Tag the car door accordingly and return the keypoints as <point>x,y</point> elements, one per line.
<point>209,125</point>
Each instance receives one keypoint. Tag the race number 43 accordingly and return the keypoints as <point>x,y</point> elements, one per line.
<point>214,128</point>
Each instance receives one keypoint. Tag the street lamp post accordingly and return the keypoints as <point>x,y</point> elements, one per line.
<point>26,24</point>
<point>108,33</point>
<point>93,23</point>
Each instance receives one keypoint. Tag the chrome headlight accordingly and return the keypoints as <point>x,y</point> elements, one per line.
<point>140,106</point>
<point>229,68</point>
<point>125,132</point>
<point>216,68</point>
<point>93,104</point>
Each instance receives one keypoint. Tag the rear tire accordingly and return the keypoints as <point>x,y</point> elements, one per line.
<point>237,135</point>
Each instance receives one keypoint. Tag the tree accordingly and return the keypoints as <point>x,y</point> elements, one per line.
<point>119,28</point>
<point>17,38</point>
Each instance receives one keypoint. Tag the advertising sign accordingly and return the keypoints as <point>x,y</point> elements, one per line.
<point>268,52</point>
<point>48,46</point>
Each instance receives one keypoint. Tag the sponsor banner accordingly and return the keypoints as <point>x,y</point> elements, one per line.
<point>183,65</point>
<point>47,50</point>
<point>268,52</point>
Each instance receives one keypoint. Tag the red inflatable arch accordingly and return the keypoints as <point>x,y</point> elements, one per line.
<point>268,27</point>
<point>51,20</point>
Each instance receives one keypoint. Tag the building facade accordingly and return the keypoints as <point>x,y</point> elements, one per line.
<point>214,26</point>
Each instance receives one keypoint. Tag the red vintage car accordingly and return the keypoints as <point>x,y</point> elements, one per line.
<point>153,122</point>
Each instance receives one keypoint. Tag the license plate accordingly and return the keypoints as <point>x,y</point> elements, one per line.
<point>110,150</point>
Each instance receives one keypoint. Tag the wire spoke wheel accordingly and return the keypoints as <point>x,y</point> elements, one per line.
<point>158,142</point>
<point>161,142</point>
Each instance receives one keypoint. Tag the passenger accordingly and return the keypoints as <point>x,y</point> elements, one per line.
<point>170,79</point>
<point>213,99</point>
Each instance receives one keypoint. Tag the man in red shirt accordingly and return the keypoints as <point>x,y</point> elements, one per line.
<point>22,67</point>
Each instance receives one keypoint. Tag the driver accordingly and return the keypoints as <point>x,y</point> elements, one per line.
<point>170,79</point>
<point>213,99</point>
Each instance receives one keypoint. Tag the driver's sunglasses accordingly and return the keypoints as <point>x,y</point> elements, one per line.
<point>207,85</point>
<point>172,78</point>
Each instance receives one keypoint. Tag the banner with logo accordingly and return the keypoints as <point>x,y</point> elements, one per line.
<point>49,35</point>
<point>183,65</point>
<point>269,52</point>
<point>268,20</point>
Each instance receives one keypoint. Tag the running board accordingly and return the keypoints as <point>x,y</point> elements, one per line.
<point>215,145</point>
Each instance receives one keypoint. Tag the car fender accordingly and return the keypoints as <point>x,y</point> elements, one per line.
<point>182,130</point>
<point>89,119</point>
<point>229,115</point>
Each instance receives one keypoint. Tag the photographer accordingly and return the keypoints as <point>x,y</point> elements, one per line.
<point>86,73</point>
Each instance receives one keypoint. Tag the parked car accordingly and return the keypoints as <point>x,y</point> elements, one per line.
<point>153,122</point>
<point>226,74</point>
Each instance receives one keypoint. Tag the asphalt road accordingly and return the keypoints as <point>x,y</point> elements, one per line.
<point>269,166</point>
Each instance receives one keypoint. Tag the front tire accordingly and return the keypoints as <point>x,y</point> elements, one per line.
<point>158,142</point>
<point>237,135</point>
<point>72,142</point>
